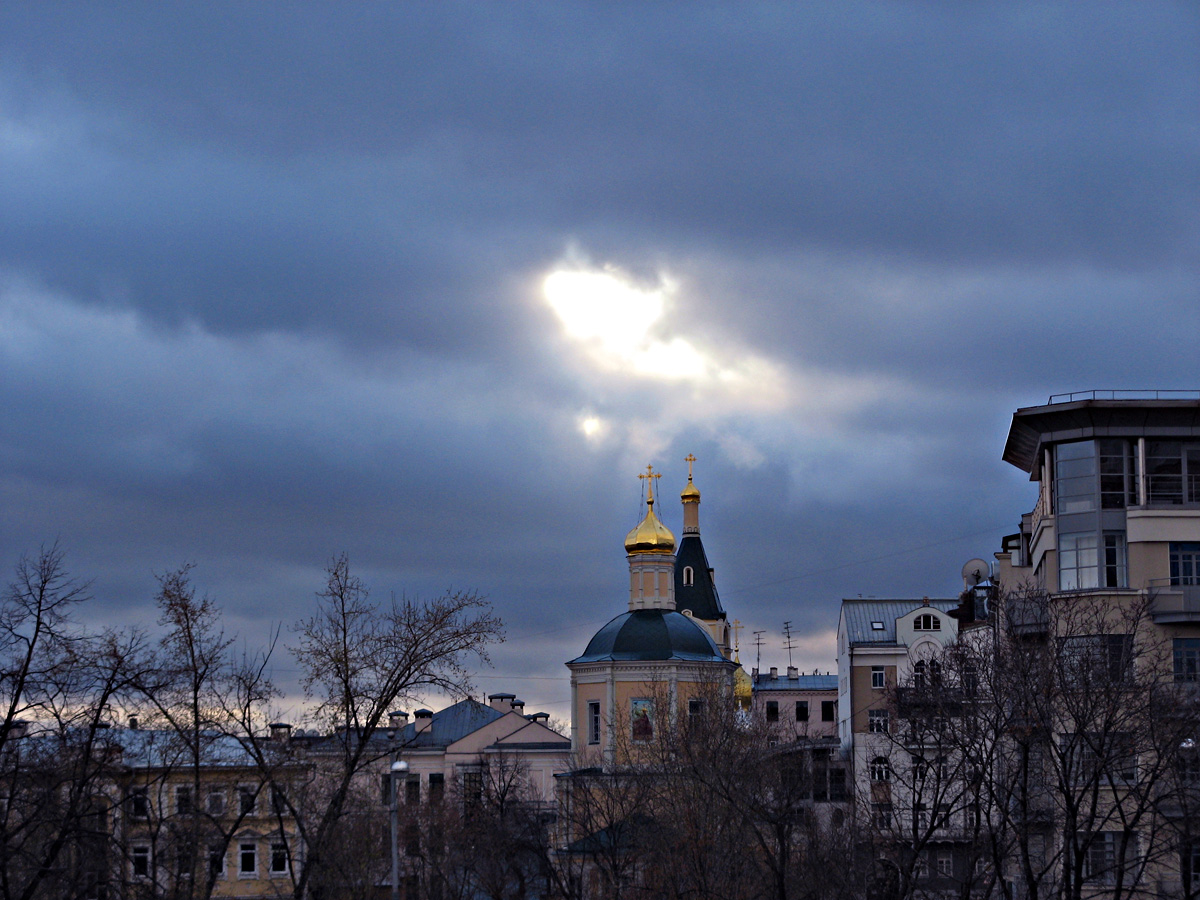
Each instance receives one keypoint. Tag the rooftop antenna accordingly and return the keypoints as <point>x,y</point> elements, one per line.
<point>758,642</point>
<point>787,640</point>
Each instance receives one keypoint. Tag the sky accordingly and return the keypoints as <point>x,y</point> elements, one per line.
<point>430,284</point>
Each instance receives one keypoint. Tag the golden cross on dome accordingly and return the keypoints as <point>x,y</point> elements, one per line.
<point>736,628</point>
<point>689,459</point>
<point>649,477</point>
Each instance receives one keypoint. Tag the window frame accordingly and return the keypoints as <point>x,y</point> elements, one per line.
<point>247,851</point>
<point>879,721</point>
<point>279,851</point>
<point>593,719</point>
<point>878,678</point>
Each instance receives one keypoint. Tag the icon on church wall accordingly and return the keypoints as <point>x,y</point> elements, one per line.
<point>640,714</point>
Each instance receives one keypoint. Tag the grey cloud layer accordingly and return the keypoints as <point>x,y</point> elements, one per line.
<point>269,283</point>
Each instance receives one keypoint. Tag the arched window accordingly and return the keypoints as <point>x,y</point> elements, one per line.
<point>687,576</point>
<point>880,770</point>
<point>927,622</point>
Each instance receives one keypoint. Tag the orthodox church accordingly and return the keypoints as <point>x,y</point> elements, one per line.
<point>662,656</point>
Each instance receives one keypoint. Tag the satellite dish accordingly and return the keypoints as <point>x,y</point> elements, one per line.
<point>975,571</point>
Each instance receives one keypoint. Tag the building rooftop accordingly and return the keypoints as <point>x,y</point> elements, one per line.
<point>1093,414</point>
<point>764,682</point>
<point>651,634</point>
<point>874,621</point>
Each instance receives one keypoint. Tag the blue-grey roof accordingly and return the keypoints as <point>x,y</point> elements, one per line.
<point>651,634</point>
<point>155,748</point>
<point>701,595</point>
<point>800,683</point>
<point>859,614</point>
<point>450,724</point>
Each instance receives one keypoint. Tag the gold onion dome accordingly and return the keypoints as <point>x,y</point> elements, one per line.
<point>651,536</point>
<point>691,492</point>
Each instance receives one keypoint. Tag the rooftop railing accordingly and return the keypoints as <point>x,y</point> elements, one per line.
<point>1077,396</point>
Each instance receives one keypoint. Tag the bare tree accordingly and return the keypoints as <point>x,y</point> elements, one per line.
<point>57,682</point>
<point>358,660</point>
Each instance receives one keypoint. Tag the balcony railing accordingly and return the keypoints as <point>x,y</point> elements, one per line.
<point>1174,602</point>
<point>1077,396</point>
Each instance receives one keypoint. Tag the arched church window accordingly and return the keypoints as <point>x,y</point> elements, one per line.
<point>687,576</point>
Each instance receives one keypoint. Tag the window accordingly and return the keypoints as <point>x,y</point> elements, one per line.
<point>183,800</point>
<point>1077,560</point>
<point>216,861</point>
<point>140,860</point>
<point>279,859</point>
<point>139,803</point>
<point>1185,563</point>
<point>1187,659</point>
<point>1075,477</point>
<point>472,787</point>
<point>1118,474</point>
<point>247,860</point>
<point>247,799</point>
<point>801,710</point>
<point>877,721</point>
<point>437,787</point>
<point>412,789</point>
<point>772,710</point>
<point>1086,659</point>
<point>695,708</point>
<point>881,815</point>
<point>877,626</point>
<point>921,866</point>
<point>1104,855</point>
<point>214,804</point>
<point>920,679</point>
<point>881,769</point>
<point>877,678</point>
<point>593,718</point>
<point>828,710</point>
<point>1114,560</point>
<point>945,862</point>
<point>927,622</point>
<point>279,804</point>
<point>1099,758</point>
<point>688,576</point>
<point>1172,472</point>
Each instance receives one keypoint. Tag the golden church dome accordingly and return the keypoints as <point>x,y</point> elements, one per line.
<point>651,536</point>
<point>691,492</point>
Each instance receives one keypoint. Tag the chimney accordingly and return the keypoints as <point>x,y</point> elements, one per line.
<point>280,732</point>
<point>18,729</point>
<point>133,723</point>
<point>793,672</point>
<point>774,673</point>
<point>502,702</point>
<point>518,706</point>
<point>397,719</point>
<point>542,717</point>
<point>423,719</point>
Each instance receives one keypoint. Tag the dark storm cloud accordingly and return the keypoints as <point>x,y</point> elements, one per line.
<point>270,286</point>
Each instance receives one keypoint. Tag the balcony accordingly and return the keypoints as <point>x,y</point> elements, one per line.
<point>1028,614</point>
<point>1174,603</point>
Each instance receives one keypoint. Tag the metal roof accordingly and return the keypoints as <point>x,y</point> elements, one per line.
<point>651,634</point>
<point>449,725</point>
<point>860,614</point>
<point>800,683</point>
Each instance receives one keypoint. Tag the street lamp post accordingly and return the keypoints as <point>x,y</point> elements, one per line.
<point>399,767</point>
